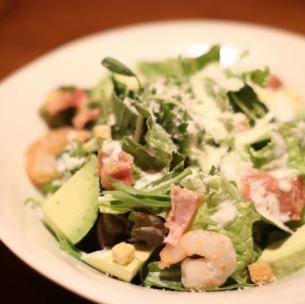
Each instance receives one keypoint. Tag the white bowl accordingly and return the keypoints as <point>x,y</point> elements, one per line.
<point>79,63</point>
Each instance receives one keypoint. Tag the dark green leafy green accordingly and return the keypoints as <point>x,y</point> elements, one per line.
<point>180,66</point>
<point>117,67</point>
<point>258,76</point>
<point>148,228</point>
<point>124,112</point>
<point>246,101</point>
<point>158,142</point>
<point>261,153</point>
<point>142,157</point>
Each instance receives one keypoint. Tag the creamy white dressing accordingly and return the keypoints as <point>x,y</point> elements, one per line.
<point>67,163</point>
<point>266,203</point>
<point>111,150</point>
<point>225,214</point>
<point>195,181</point>
<point>208,156</point>
<point>285,185</point>
<point>234,167</point>
<point>262,127</point>
<point>146,178</point>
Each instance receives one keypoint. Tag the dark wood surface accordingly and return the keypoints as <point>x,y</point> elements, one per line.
<point>29,28</point>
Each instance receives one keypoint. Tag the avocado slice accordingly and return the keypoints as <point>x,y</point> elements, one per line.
<point>72,210</point>
<point>102,260</point>
<point>288,256</point>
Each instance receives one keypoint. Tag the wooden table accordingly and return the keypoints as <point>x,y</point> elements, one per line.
<point>29,28</point>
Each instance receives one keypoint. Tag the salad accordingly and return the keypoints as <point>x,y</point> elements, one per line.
<point>185,174</point>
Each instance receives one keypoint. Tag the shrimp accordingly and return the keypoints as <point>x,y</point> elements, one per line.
<point>61,100</point>
<point>40,156</point>
<point>215,264</point>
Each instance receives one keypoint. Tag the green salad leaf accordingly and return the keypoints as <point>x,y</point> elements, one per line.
<point>149,228</point>
<point>258,76</point>
<point>159,148</point>
<point>180,66</point>
<point>246,101</point>
<point>239,231</point>
<point>294,145</point>
<point>261,152</point>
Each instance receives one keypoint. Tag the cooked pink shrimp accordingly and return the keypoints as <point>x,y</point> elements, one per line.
<point>61,100</point>
<point>216,263</point>
<point>40,156</point>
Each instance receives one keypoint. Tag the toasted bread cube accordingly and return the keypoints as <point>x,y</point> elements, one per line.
<point>261,273</point>
<point>123,253</point>
<point>102,131</point>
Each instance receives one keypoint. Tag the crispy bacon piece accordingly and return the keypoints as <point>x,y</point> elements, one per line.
<point>61,100</point>
<point>290,193</point>
<point>184,205</point>
<point>116,164</point>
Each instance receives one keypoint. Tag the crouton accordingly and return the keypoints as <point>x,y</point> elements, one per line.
<point>261,273</point>
<point>123,253</point>
<point>102,131</point>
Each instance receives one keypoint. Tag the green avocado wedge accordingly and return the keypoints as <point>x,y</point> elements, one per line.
<point>102,260</point>
<point>72,210</point>
<point>288,256</point>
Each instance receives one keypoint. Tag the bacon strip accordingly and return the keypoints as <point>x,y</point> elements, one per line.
<point>184,205</point>
<point>291,197</point>
<point>115,163</point>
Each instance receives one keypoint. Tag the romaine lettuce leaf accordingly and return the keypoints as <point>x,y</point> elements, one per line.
<point>180,66</point>
<point>239,231</point>
<point>260,156</point>
<point>246,101</point>
<point>295,147</point>
<point>159,149</point>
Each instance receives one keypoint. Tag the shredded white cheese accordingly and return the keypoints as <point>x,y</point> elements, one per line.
<point>266,203</point>
<point>146,178</point>
<point>111,150</point>
<point>225,214</point>
<point>67,163</point>
<point>284,185</point>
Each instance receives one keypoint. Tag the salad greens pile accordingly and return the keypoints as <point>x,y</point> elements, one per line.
<point>198,124</point>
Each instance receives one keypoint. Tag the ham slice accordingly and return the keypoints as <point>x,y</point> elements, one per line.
<point>62,100</point>
<point>289,193</point>
<point>184,205</point>
<point>115,163</point>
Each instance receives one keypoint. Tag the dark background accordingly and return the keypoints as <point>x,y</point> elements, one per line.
<point>29,28</point>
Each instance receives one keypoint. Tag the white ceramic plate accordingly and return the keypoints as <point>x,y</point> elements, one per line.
<point>79,63</point>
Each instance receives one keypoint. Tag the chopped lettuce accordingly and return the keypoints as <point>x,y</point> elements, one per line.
<point>239,231</point>
<point>246,101</point>
<point>180,66</point>
<point>159,148</point>
<point>294,139</point>
<point>261,153</point>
